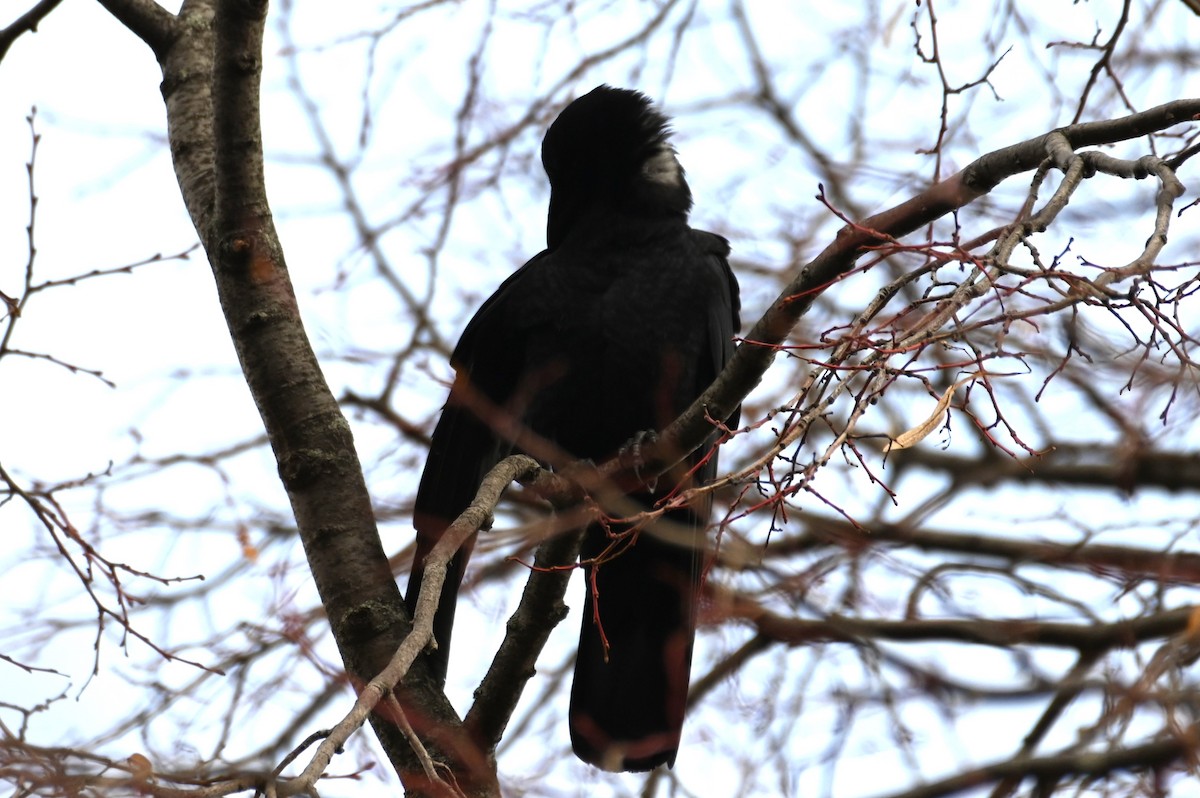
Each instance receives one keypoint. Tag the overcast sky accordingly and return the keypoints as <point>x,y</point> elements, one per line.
<point>107,198</point>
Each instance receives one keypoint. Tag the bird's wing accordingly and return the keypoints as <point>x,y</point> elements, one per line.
<point>723,323</point>
<point>488,365</point>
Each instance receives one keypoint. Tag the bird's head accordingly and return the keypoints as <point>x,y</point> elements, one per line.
<point>609,150</point>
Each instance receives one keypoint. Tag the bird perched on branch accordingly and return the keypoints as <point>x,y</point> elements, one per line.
<point>610,333</point>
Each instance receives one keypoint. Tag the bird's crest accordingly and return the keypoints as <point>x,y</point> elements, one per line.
<point>609,149</point>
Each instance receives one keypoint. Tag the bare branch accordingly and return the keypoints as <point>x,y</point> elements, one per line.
<point>993,632</point>
<point>26,23</point>
<point>1093,764</point>
<point>472,519</point>
<point>149,21</point>
<point>752,359</point>
<point>540,610</point>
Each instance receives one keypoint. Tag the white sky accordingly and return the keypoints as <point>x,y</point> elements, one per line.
<point>107,197</point>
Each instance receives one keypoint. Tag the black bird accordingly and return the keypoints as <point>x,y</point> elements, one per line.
<point>612,331</point>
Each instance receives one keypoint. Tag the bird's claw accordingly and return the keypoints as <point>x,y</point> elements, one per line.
<point>630,456</point>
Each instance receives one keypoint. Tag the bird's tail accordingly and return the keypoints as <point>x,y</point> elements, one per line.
<point>627,702</point>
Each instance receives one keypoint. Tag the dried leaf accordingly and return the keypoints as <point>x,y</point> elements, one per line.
<point>249,550</point>
<point>1193,625</point>
<point>918,433</point>
<point>140,768</point>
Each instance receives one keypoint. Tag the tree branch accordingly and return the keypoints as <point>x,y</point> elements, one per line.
<point>310,437</point>
<point>1093,764</point>
<point>150,22</point>
<point>1130,563</point>
<point>540,610</point>
<point>211,61</point>
<point>1002,633</point>
<point>471,520</point>
<point>26,23</point>
<point>752,358</point>
<point>1094,466</point>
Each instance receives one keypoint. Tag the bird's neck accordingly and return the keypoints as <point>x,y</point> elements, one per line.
<point>600,226</point>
